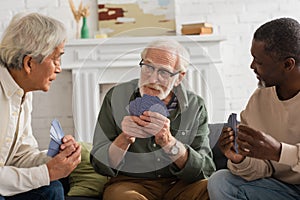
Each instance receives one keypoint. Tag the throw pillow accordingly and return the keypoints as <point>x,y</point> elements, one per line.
<point>84,181</point>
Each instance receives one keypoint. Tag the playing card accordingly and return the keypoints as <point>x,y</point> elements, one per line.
<point>134,107</point>
<point>232,122</point>
<point>56,125</point>
<point>53,148</point>
<point>154,104</point>
<point>138,102</point>
<point>162,109</point>
<point>56,135</point>
<point>145,103</point>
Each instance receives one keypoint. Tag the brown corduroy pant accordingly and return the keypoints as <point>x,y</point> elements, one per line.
<point>128,188</point>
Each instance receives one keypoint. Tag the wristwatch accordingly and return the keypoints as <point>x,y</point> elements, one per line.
<point>174,150</point>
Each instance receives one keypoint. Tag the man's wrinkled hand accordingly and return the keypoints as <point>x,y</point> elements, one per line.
<point>65,161</point>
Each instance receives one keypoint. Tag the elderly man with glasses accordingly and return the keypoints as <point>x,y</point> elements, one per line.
<point>30,52</point>
<point>152,156</point>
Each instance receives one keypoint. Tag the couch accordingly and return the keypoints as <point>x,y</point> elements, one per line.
<point>219,159</point>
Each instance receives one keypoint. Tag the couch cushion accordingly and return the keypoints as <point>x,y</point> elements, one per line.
<point>84,181</point>
<point>218,157</point>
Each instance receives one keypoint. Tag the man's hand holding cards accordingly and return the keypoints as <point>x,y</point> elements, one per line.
<point>66,152</point>
<point>141,124</point>
<point>56,135</point>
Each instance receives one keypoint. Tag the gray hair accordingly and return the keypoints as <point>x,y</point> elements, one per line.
<point>34,35</point>
<point>173,47</point>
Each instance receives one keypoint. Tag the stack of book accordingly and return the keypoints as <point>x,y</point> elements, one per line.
<point>196,28</point>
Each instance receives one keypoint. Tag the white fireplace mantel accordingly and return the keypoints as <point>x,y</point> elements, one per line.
<point>114,60</point>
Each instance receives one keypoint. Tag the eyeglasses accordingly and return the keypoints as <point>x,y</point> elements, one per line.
<point>163,74</point>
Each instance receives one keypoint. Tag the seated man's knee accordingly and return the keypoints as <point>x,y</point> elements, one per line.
<point>223,184</point>
<point>121,191</point>
<point>54,191</point>
<point>220,175</point>
<point>218,180</point>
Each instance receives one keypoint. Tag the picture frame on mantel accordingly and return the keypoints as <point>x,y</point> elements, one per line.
<point>136,17</point>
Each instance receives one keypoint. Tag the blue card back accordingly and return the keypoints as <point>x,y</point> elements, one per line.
<point>232,122</point>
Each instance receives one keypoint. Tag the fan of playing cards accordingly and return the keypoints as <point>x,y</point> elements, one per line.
<point>147,103</point>
<point>56,135</point>
<point>232,122</point>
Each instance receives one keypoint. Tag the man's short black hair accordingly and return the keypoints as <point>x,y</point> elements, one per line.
<point>281,37</point>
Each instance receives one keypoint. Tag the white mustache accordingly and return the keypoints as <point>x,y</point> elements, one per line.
<point>154,86</point>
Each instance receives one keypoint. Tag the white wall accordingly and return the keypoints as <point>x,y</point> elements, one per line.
<point>237,20</point>
<point>56,103</point>
<point>234,19</point>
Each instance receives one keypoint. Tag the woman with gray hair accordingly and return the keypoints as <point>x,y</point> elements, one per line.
<point>30,53</point>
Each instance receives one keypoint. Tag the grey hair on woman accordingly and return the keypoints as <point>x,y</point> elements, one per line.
<point>171,46</point>
<point>32,34</point>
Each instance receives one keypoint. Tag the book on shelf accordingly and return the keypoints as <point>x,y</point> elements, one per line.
<point>197,31</point>
<point>197,28</point>
<point>194,25</point>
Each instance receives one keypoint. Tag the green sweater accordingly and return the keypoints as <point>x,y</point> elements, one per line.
<point>145,159</point>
